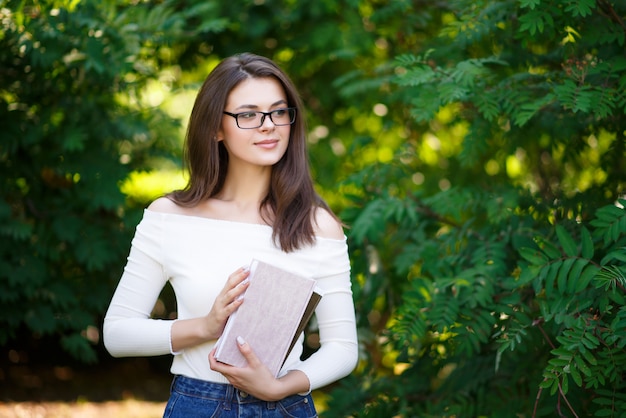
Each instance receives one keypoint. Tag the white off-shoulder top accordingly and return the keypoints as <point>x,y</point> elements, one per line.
<point>196,255</point>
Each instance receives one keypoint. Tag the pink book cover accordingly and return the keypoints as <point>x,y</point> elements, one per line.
<point>277,305</point>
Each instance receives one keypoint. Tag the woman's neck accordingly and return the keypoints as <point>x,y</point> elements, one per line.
<point>241,195</point>
<point>246,185</point>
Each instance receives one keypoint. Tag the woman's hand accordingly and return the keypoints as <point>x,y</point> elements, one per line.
<point>256,379</point>
<point>226,302</point>
<point>191,332</point>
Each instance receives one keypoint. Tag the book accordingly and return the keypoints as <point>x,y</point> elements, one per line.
<point>277,307</point>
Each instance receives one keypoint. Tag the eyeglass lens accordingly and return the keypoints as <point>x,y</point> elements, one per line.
<point>278,117</point>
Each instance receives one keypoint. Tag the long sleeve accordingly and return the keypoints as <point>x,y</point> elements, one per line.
<point>128,329</point>
<point>338,353</point>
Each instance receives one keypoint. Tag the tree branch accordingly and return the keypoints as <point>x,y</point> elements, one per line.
<point>609,12</point>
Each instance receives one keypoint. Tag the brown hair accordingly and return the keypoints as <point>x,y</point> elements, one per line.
<point>291,200</point>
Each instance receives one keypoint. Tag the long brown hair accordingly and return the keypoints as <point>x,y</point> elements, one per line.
<point>291,200</point>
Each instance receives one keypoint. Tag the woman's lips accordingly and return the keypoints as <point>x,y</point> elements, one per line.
<point>268,143</point>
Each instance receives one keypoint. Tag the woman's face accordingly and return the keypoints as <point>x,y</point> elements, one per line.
<point>261,146</point>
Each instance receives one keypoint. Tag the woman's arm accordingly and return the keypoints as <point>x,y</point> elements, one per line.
<point>128,328</point>
<point>338,352</point>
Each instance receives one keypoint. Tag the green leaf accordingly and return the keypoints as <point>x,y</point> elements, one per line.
<point>590,341</point>
<point>563,275</point>
<point>553,270</point>
<point>582,366</point>
<point>619,255</point>
<point>451,92</point>
<point>530,4</point>
<point>589,272</point>
<point>533,256</point>
<point>566,241</point>
<point>527,275</point>
<point>565,385</point>
<point>487,105</point>
<point>559,362</point>
<point>590,358</point>
<point>580,7</point>
<point>584,99</point>
<point>587,244</point>
<point>417,76</point>
<point>529,109</point>
<point>576,376</point>
<point>368,222</point>
<point>546,383</point>
<point>618,298</point>
<point>532,22</point>
<point>606,412</point>
<point>574,275</point>
<point>551,250</point>
<point>562,353</point>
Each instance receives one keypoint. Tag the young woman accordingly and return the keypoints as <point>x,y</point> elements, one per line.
<point>250,195</point>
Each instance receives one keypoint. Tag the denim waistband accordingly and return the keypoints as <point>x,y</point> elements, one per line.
<point>213,390</point>
<point>191,397</point>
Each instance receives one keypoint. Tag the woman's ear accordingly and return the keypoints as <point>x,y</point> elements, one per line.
<point>220,135</point>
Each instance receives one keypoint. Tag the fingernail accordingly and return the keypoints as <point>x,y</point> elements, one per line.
<point>241,341</point>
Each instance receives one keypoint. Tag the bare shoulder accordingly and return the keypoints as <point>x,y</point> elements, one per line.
<point>165,205</point>
<point>327,225</point>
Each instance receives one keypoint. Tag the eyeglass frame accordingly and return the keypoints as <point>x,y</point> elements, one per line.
<point>265,114</point>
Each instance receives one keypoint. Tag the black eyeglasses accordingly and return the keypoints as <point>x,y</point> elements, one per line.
<point>252,120</point>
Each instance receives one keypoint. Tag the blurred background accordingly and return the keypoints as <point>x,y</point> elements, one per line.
<point>474,149</point>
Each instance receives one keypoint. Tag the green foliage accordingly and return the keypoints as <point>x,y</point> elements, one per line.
<point>501,313</point>
<point>73,128</point>
<point>493,269</point>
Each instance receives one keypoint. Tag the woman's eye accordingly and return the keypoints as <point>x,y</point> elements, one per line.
<point>280,112</point>
<point>247,115</point>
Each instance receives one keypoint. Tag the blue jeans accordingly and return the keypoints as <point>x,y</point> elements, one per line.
<point>191,398</point>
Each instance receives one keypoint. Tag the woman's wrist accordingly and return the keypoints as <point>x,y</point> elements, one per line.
<point>294,382</point>
<point>206,332</point>
<point>190,332</point>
